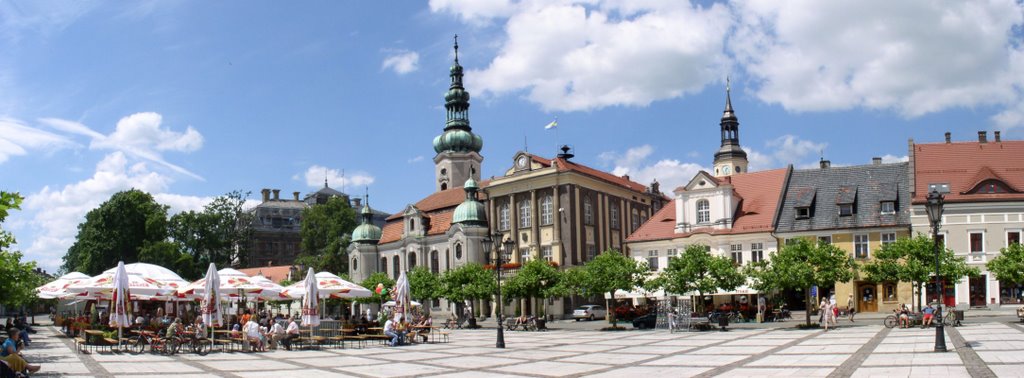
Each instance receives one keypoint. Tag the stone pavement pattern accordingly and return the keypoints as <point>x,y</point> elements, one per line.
<point>994,349</point>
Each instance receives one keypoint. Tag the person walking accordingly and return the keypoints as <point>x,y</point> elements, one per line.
<point>850,307</point>
<point>825,308</point>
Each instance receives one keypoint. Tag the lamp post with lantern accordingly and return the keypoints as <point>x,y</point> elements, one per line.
<point>500,248</point>
<point>934,208</point>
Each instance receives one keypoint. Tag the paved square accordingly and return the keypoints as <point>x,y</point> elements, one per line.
<point>865,350</point>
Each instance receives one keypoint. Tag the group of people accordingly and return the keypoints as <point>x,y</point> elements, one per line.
<point>828,311</point>
<point>401,331</point>
<point>904,315</point>
<point>261,332</point>
<point>13,362</point>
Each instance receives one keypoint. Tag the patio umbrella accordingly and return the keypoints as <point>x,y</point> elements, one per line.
<point>402,296</point>
<point>311,302</point>
<point>411,304</point>
<point>212,315</point>
<point>329,286</point>
<point>58,288</point>
<point>144,280</point>
<point>237,285</point>
<point>119,316</point>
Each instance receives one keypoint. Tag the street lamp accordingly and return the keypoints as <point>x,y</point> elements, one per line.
<point>500,248</point>
<point>934,208</point>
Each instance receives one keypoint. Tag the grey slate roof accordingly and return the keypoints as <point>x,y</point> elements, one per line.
<point>865,186</point>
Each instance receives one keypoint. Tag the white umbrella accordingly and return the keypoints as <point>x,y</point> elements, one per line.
<point>402,296</point>
<point>310,302</point>
<point>329,286</point>
<point>144,280</point>
<point>119,315</point>
<point>212,315</point>
<point>58,288</point>
<point>236,285</point>
<point>411,303</point>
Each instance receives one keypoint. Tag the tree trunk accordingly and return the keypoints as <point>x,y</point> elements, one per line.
<point>807,300</point>
<point>608,311</point>
<point>920,295</point>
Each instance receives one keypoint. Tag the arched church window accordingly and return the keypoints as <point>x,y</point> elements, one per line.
<point>396,267</point>
<point>458,251</point>
<point>412,260</point>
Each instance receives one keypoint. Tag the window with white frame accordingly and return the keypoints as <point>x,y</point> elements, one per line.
<point>888,238</point>
<point>524,255</point>
<point>888,207</point>
<point>525,219</point>
<point>546,210</point>
<point>503,217</point>
<point>588,211</point>
<point>977,240</point>
<point>613,210</point>
<point>545,252</point>
<point>860,246</point>
<point>736,250</point>
<point>703,211</point>
<point>756,252</point>
<point>652,260</point>
<point>672,252</point>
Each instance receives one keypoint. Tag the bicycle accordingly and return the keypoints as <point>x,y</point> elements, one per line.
<point>196,343</point>
<point>167,346</point>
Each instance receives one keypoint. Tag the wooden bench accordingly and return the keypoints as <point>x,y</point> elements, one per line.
<point>382,338</point>
<point>80,344</point>
<point>445,335</point>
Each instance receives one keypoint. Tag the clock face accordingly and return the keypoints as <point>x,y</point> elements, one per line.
<point>725,169</point>
<point>521,163</point>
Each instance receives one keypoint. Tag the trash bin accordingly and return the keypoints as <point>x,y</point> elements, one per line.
<point>723,321</point>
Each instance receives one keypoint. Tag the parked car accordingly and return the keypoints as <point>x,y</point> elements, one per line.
<point>646,321</point>
<point>589,312</point>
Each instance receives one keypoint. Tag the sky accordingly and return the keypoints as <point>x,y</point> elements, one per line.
<point>189,100</point>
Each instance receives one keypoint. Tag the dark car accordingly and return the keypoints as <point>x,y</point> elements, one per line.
<point>646,321</point>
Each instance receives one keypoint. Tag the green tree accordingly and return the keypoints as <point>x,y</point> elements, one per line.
<point>371,283</point>
<point>608,272</point>
<point>115,231</point>
<point>536,279</point>
<point>216,234</point>
<point>913,260</point>
<point>801,265</point>
<point>326,230</point>
<point>1009,265</point>
<point>698,270</point>
<point>20,278</point>
<point>166,254</point>
<point>468,282</point>
<point>424,285</point>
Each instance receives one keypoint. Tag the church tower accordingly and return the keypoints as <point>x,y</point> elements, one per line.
<point>458,149</point>
<point>730,158</point>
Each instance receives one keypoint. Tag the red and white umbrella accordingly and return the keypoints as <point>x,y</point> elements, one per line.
<point>59,287</point>
<point>210,306</point>
<point>310,301</point>
<point>119,301</point>
<point>236,285</point>
<point>329,286</point>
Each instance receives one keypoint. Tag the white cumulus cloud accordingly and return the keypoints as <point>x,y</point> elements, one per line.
<point>785,150</point>
<point>670,173</point>
<point>402,62</point>
<point>336,178</point>
<point>583,55</point>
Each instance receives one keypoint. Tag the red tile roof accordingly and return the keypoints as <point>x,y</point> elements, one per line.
<point>274,273</point>
<point>964,165</point>
<point>438,209</point>
<point>759,193</point>
<point>567,166</point>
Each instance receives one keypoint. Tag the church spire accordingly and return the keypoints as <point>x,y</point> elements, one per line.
<point>730,158</point>
<point>458,135</point>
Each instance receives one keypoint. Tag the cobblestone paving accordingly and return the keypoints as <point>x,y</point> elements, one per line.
<point>978,350</point>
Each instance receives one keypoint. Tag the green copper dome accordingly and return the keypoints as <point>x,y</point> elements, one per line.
<point>471,212</point>
<point>458,135</point>
<point>366,232</point>
<point>458,140</point>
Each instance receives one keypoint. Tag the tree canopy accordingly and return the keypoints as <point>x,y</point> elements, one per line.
<point>913,260</point>
<point>115,231</point>
<point>1009,265</point>
<point>215,234</point>
<point>535,279</point>
<point>698,270</point>
<point>371,283</point>
<point>20,278</point>
<point>801,265</point>
<point>608,272</point>
<point>326,230</point>
<point>468,282</point>
<point>424,285</point>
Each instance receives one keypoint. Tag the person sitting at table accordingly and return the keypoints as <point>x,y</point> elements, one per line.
<point>425,322</point>
<point>251,334</point>
<point>392,329</point>
<point>12,355</point>
<point>291,333</point>
<point>521,320</point>
<point>174,328</point>
<point>276,334</point>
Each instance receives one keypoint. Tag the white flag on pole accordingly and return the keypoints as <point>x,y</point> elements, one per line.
<point>552,125</point>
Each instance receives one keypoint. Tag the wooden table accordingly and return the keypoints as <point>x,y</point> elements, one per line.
<point>431,329</point>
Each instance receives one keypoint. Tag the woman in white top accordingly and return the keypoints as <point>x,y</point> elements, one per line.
<point>825,308</point>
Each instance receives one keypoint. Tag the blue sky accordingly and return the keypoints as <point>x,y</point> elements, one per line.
<point>189,100</point>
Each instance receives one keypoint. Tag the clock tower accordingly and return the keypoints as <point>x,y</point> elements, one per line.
<point>458,148</point>
<point>730,158</point>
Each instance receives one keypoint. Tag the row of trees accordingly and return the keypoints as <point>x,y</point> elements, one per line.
<point>19,277</point>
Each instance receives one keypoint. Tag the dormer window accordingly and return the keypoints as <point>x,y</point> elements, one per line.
<point>888,207</point>
<point>803,212</point>
<point>703,211</point>
<point>845,209</point>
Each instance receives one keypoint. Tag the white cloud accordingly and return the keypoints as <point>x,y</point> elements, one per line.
<point>670,173</point>
<point>338,179</point>
<point>785,150</point>
<point>912,57</point>
<point>416,159</point>
<point>585,55</point>
<point>894,159</point>
<point>16,139</point>
<point>402,62</point>
<point>139,135</point>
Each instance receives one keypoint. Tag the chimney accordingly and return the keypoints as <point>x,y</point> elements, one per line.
<point>982,137</point>
<point>625,177</point>
<point>824,163</point>
<point>266,194</point>
<point>997,136</point>
<point>277,194</point>
<point>655,187</point>
<point>356,203</point>
<point>296,194</point>
<point>876,161</point>
<point>948,135</point>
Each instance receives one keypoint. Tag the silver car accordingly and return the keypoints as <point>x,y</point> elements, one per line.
<point>589,312</point>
